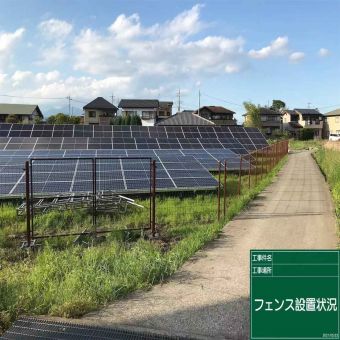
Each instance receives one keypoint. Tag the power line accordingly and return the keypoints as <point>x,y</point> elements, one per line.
<point>11,96</point>
<point>325,107</point>
<point>222,100</point>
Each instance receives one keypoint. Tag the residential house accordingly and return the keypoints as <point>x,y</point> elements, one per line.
<point>219,115</point>
<point>185,118</point>
<point>312,119</point>
<point>99,112</point>
<point>290,122</point>
<point>24,113</point>
<point>332,122</point>
<point>165,109</point>
<point>149,110</point>
<point>270,120</point>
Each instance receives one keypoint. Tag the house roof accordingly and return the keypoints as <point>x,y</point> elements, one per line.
<point>19,109</point>
<point>217,109</point>
<point>139,103</point>
<point>333,113</point>
<point>185,118</point>
<point>101,104</point>
<point>291,112</point>
<point>308,112</point>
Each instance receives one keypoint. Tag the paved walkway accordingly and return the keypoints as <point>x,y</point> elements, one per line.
<point>209,296</point>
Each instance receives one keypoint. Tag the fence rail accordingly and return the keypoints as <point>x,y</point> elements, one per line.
<point>160,208</point>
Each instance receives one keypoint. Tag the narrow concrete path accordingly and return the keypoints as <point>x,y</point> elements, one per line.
<point>209,296</point>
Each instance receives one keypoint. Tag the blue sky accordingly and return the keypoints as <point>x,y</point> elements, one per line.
<point>230,50</point>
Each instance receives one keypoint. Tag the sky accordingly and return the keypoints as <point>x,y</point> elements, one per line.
<point>230,51</point>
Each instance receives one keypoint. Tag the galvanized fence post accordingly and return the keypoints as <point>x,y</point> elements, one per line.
<point>94,195</point>
<point>28,204</point>
<point>150,195</point>
<point>249,170</point>
<point>225,189</point>
<point>239,176</point>
<point>219,192</point>
<point>153,227</point>
<point>31,198</point>
<point>256,161</point>
<point>262,157</point>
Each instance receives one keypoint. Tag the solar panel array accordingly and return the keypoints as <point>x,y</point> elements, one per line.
<point>53,176</point>
<point>183,154</point>
<point>17,136</point>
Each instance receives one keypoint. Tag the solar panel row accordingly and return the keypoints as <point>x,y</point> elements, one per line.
<point>87,143</point>
<point>178,150</point>
<point>50,177</point>
<point>112,131</point>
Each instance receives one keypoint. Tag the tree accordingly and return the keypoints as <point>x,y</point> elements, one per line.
<point>135,120</point>
<point>127,120</point>
<point>306,134</point>
<point>253,115</point>
<point>278,104</point>
<point>12,119</point>
<point>37,120</point>
<point>62,118</point>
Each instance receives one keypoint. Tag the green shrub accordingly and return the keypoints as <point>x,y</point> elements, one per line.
<point>306,134</point>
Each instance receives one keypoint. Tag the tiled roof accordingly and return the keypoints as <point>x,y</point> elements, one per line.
<point>139,103</point>
<point>18,109</point>
<point>333,113</point>
<point>308,112</point>
<point>101,104</point>
<point>185,118</point>
<point>217,109</point>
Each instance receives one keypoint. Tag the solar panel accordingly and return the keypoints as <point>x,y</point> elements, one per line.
<point>46,130</point>
<point>204,145</point>
<point>54,176</point>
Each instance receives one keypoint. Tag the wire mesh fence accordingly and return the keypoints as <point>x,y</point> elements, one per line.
<point>85,196</point>
<point>92,196</point>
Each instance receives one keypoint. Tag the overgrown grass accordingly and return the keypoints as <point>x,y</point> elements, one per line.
<point>75,280</point>
<point>304,144</point>
<point>329,163</point>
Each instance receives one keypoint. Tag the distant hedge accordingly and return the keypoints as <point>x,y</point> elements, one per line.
<point>306,134</point>
<point>126,120</point>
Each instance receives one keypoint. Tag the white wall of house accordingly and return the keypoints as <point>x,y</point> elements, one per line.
<point>147,115</point>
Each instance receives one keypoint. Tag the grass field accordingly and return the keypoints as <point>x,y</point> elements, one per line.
<point>329,163</point>
<point>72,280</point>
<point>304,144</point>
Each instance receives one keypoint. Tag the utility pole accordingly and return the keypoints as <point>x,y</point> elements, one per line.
<point>179,100</point>
<point>199,100</point>
<point>69,104</point>
<point>308,104</point>
<point>112,97</point>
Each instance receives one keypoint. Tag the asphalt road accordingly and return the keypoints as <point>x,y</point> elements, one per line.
<point>209,296</point>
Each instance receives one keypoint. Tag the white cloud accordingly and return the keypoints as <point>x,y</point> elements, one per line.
<point>55,50</point>
<point>53,55</point>
<point>47,77</point>
<point>3,77</point>
<point>186,23</point>
<point>158,51</point>
<point>126,27</point>
<point>296,57</point>
<point>20,76</point>
<point>323,52</point>
<point>277,47</point>
<point>8,40</point>
<point>232,68</point>
<point>55,29</point>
